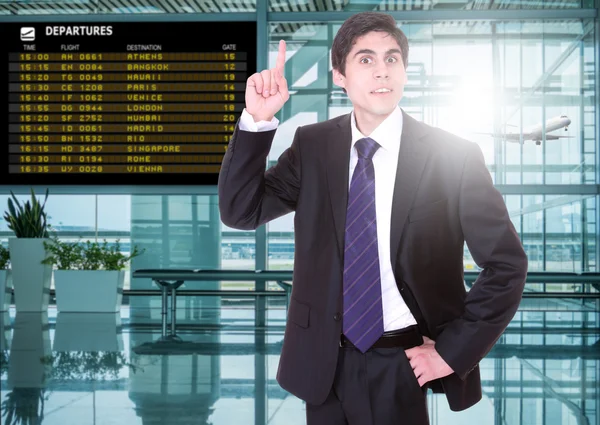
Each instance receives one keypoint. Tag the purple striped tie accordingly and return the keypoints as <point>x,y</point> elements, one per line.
<point>363,312</point>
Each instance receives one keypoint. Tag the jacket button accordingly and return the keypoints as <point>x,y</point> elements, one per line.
<point>337,317</point>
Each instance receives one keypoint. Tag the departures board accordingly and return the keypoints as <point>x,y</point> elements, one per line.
<point>124,103</point>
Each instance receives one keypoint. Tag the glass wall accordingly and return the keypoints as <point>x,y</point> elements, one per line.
<point>175,231</point>
<point>493,83</point>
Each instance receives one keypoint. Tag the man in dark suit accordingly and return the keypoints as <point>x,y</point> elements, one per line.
<point>383,205</point>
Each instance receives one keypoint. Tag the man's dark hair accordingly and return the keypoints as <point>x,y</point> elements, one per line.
<point>359,25</point>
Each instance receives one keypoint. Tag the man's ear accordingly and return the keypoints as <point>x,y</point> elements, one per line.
<point>338,78</point>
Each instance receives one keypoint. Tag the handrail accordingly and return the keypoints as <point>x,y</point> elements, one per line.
<point>287,275</point>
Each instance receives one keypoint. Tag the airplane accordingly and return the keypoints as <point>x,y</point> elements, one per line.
<point>535,133</point>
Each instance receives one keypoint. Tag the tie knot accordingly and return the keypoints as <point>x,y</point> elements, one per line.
<point>366,147</point>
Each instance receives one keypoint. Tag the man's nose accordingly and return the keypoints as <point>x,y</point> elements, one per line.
<point>381,71</point>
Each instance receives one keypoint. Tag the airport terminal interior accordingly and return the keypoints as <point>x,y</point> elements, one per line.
<point>188,324</point>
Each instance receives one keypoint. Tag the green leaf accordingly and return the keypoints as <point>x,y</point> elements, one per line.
<point>27,220</point>
<point>11,208</point>
<point>17,202</point>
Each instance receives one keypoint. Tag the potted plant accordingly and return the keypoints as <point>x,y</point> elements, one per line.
<point>30,278</point>
<point>89,277</point>
<point>5,278</point>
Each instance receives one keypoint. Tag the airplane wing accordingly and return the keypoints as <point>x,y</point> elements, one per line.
<point>508,136</point>
<point>517,137</point>
<point>553,137</point>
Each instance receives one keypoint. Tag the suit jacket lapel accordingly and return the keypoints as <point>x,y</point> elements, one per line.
<point>411,162</point>
<point>337,165</point>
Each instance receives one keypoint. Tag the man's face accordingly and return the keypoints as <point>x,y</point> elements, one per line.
<point>375,75</point>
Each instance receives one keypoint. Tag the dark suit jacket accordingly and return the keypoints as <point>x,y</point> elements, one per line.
<point>443,196</point>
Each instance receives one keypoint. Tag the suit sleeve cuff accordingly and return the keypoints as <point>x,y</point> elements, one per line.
<point>247,123</point>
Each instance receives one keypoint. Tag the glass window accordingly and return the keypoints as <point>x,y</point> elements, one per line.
<point>521,90</point>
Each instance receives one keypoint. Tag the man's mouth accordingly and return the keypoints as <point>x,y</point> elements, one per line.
<point>382,91</point>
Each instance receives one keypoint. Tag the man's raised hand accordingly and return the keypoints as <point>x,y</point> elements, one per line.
<point>267,91</point>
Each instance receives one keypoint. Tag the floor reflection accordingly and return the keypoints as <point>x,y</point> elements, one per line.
<point>219,368</point>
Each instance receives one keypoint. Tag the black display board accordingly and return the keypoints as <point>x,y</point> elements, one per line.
<point>125,103</point>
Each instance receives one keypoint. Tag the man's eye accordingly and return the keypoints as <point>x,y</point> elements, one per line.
<point>365,59</point>
<point>392,59</point>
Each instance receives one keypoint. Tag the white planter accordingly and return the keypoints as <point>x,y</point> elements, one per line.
<point>5,286</point>
<point>31,279</point>
<point>88,332</point>
<point>89,291</point>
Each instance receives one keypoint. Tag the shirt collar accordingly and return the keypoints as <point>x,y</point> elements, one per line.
<point>387,134</point>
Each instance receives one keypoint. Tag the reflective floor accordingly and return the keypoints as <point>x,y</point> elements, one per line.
<point>219,367</point>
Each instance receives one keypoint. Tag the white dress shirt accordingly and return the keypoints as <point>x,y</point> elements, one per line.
<point>396,314</point>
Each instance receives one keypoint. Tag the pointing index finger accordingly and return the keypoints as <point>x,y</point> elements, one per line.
<point>281,56</point>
